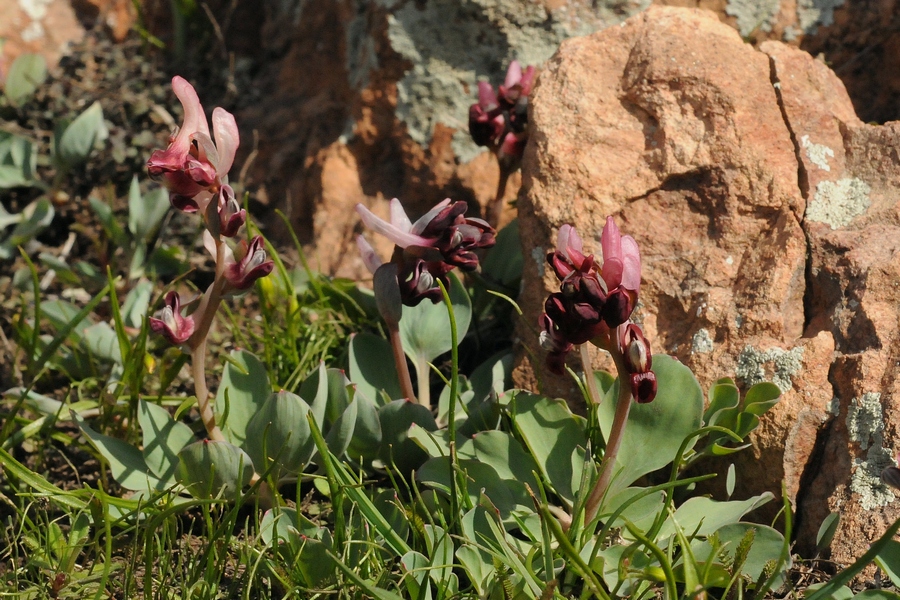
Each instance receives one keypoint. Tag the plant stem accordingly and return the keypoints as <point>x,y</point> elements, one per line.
<point>422,375</point>
<point>204,316</point>
<point>406,386</point>
<point>198,370</point>
<point>623,406</point>
<point>495,208</point>
<point>590,380</point>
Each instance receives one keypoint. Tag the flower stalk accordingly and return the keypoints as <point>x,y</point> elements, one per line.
<point>194,169</point>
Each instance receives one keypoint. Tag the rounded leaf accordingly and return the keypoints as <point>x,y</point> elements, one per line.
<point>278,435</point>
<point>655,430</point>
<point>211,469</point>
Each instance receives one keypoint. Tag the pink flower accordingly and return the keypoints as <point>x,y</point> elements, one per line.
<point>500,121</point>
<point>517,84</point>
<point>192,167</point>
<point>246,265</point>
<point>169,322</point>
<point>442,234</point>
<point>593,299</point>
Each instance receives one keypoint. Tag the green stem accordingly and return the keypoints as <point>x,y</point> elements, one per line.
<point>590,380</point>
<point>623,406</point>
<point>454,391</point>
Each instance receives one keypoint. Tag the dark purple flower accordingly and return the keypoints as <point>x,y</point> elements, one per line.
<point>170,324</point>
<point>230,214</point>
<point>427,250</point>
<point>635,350</point>
<point>593,298</point>
<point>500,121</point>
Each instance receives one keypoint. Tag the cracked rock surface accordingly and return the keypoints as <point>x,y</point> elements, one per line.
<point>767,216</point>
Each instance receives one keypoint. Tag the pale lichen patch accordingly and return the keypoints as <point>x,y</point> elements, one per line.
<point>755,366</point>
<point>817,153</point>
<point>701,343</point>
<point>865,426</point>
<point>753,14</point>
<point>837,203</point>
<point>865,421</point>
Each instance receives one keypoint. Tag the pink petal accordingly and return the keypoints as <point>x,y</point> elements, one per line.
<point>399,218</point>
<point>568,239</point>
<point>513,74</point>
<point>631,269</point>
<point>194,117</point>
<point>227,139</point>
<point>487,97</point>
<point>527,81</point>
<point>395,234</point>
<point>611,241</point>
<point>369,258</point>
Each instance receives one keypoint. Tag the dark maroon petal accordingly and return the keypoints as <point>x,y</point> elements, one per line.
<point>560,265</point>
<point>480,127</point>
<point>643,386</point>
<point>556,362</point>
<point>635,349</point>
<point>618,307</point>
<point>586,311</point>
<point>444,219</point>
<point>593,289</point>
<point>184,203</point>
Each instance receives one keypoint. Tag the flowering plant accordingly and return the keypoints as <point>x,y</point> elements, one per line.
<point>424,254</point>
<point>499,121</point>
<point>195,171</point>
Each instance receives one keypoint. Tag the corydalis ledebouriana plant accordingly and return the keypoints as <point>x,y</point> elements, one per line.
<point>424,254</point>
<point>499,121</point>
<point>195,171</point>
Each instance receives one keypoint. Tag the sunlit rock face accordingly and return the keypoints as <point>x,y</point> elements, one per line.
<point>769,233</point>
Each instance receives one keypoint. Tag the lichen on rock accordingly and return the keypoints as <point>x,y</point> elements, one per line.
<point>752,363</point>
<point>837,203</point>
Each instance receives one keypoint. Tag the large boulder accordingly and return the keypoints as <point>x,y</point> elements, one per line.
<point>768,231</point>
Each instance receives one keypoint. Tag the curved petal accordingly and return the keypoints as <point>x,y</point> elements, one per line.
<point>194,117</point>
<point>227,139</point>
<point>423,221</point>
<point>399,218</point>
<point>527,81</point>
<point>395,234</point>
<point>611,241</point>
<point>631,268</point>
<point>568,239</point>
<point>513,74</point>
<point>369,257</point>
<point>487,97</point>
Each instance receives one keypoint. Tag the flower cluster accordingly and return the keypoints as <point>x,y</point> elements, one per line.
<point>195,171</point>
<point>427,250</point>
<point>596,302</point>
<point>500,120</point>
